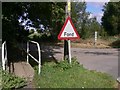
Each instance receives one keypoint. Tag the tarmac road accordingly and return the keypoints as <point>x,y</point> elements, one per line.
<point>103,60</point>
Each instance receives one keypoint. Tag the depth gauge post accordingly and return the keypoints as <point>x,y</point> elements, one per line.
<point>66,47</point>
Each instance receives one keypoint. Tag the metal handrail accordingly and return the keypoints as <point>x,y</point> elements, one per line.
<point>39,55</point>
<point>4,55</point>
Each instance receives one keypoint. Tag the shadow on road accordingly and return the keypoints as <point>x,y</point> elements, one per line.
<point>48,53</point>
<point>99,53</point>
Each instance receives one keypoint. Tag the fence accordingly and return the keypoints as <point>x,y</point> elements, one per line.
<point>39,55</point>
<point>4,55</point>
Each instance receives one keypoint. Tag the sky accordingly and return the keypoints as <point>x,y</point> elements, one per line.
<point>96,9</point>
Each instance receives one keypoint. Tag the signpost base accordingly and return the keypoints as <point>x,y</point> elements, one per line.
<point>66,53</point>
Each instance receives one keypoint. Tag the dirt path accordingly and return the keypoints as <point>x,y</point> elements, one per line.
<point>24,70</point>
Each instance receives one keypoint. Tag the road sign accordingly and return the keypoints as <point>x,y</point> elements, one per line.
<point>68,31</point>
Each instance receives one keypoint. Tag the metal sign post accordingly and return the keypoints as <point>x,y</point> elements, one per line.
<point>66,48</point>
<point>68,32</point>
<point>66,43</point>
<point>69,46</point>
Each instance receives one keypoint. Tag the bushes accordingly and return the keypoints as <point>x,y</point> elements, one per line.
<point>11,81</point>
<point>42,37</point>
<point>64,65</point>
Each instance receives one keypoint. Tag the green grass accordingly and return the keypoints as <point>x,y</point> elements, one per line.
<point>64,75</point>
<point>10,81</point>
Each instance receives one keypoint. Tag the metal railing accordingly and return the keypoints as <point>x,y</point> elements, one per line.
<point>39,55</point>
<point>0,43</point>
<point>4,55</point>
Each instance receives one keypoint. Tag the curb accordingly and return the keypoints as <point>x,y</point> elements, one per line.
<point>118,80</point>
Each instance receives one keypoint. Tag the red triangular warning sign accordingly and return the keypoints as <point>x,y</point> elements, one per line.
<point>68,31</point>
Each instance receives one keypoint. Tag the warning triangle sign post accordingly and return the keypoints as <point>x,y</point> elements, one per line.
<point>68,31</point>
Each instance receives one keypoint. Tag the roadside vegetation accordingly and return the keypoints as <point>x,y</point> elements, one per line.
<point>106,42</point>
<point>10,81</point>
<point>64,75</point>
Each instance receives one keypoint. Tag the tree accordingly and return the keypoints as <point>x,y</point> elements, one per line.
<point>11,12</point>
<point>17,17</point>
<point>57,18</point>
<point>93,26</point>
<point>79,16</point>
<point>111,18</point>
<point>50,15</point>
<point>86,26</point>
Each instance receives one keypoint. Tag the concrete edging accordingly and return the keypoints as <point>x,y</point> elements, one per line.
<point>118,80</point>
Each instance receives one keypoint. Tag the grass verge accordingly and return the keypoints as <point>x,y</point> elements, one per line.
<point>64,75</point>
<point>10,81</point>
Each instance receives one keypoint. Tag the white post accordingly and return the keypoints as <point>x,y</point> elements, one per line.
<point>6,62</point>
<point>3,59</point>
<point>69,14</point>
<point>69,46</point>
<point>27,52</point>
<point>95,37</point>
<point>6,51</point>
<point>39,53</point>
